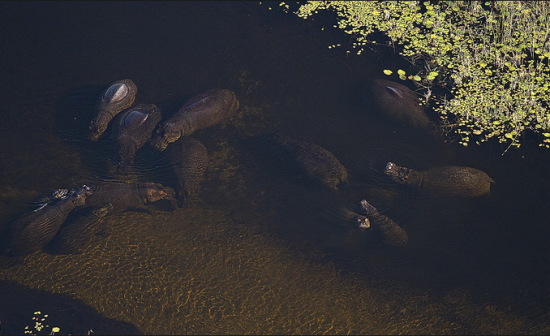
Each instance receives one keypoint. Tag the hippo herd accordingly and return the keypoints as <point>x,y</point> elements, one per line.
<point>48,226</point>
<point>133,127</point>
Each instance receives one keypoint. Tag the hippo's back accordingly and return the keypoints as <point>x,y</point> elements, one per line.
<point>455,181</point>
<point>399,104</point>
<point>189,160</point>
<point>316,162</point>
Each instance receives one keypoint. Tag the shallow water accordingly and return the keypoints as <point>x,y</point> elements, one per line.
<point>260,251</point>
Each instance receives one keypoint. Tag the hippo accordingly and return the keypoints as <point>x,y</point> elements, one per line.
<point>393,234</point>
<point>110,197</point>
<point>400,104</point>
<point>201,111</point>
<point>31,231</point>
<point>119,96</point>
<point>444,181</point>
<point>352,214</point>
<point>52,196</point>
<point>189,160</point>
<point>131,131</point>
<point>317,163</point>
<point>127,196</point>
<point>73,236</point>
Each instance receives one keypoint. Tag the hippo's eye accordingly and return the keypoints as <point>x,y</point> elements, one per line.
<point>394,92</point>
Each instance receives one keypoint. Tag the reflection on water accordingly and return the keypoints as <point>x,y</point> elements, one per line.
<point>259,251</point>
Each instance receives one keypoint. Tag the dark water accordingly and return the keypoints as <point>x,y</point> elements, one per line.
<point>259,251</point>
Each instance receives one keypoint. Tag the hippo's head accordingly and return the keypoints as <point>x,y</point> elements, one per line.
<point>393,96</point>
<point>103,211</point>
<point>399,103</point>
<point>117,97</point>
<point>367,208</point>
<point>166,133</point>
<point>99,123</point>
<point>152,192</point>
<point>115,93</point>
<point>97,128</point>
<point>335,178</point>
<point>78,196</point>
<point>59,193</point>
<point>397,173</point>
<point>363,222</point>
<point>343,176</point>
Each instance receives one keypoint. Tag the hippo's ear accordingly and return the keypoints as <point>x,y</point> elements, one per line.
<point>394,91</point>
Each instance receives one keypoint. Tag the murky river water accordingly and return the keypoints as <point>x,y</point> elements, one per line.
<point>260,251</point>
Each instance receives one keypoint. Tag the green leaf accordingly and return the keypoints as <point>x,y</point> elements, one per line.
<point>388,72</point>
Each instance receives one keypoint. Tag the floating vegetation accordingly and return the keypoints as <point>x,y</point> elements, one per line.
<point>488,60</point>
<point>39,324</point>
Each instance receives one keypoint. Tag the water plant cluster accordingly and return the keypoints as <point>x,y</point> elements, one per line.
<point>39,324</point>
<point>481,65</point>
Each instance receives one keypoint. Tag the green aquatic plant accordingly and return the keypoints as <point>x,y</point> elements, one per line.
<point>39,326</point>
<point>39,322</point>
<point>481,65</point>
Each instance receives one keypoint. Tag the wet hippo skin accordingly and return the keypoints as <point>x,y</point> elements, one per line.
<point>131,131</point>
<point>444,181</point>
<point>315,162</point>
<point>126,196</point>
<point>201,111</point>
<point>118,96</point>
<point>33,230</point>
<point>110,197</point>
<point>189,160</point>
<point>392,233</point>
<point>73,236</point>
<point>399,104</point>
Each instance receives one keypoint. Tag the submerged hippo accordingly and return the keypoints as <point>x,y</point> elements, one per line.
<point>393,234</point>
<point>400,104</point>
<point>111,197</point>
<point>30,232</point>
<point>52,196</point>
<point>442,181</point>
<point>352,214</point>
<point>117,97</point>
<point>127,196</point>
<point>201,111</point>
<point>189,160</point>
<point>131,130</point>
<point>317,163</point>
<point>73,235</point>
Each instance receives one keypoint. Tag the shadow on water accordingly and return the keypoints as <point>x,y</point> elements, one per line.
<point>20,305</point>
<point>75,110</point>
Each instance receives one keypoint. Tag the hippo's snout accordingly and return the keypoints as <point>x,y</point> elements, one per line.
<point>390,168</point>
<point>169,193</point>
<point>362,221</point>
<point>95,132</point>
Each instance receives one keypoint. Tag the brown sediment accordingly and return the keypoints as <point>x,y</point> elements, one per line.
<point>196,271</point>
